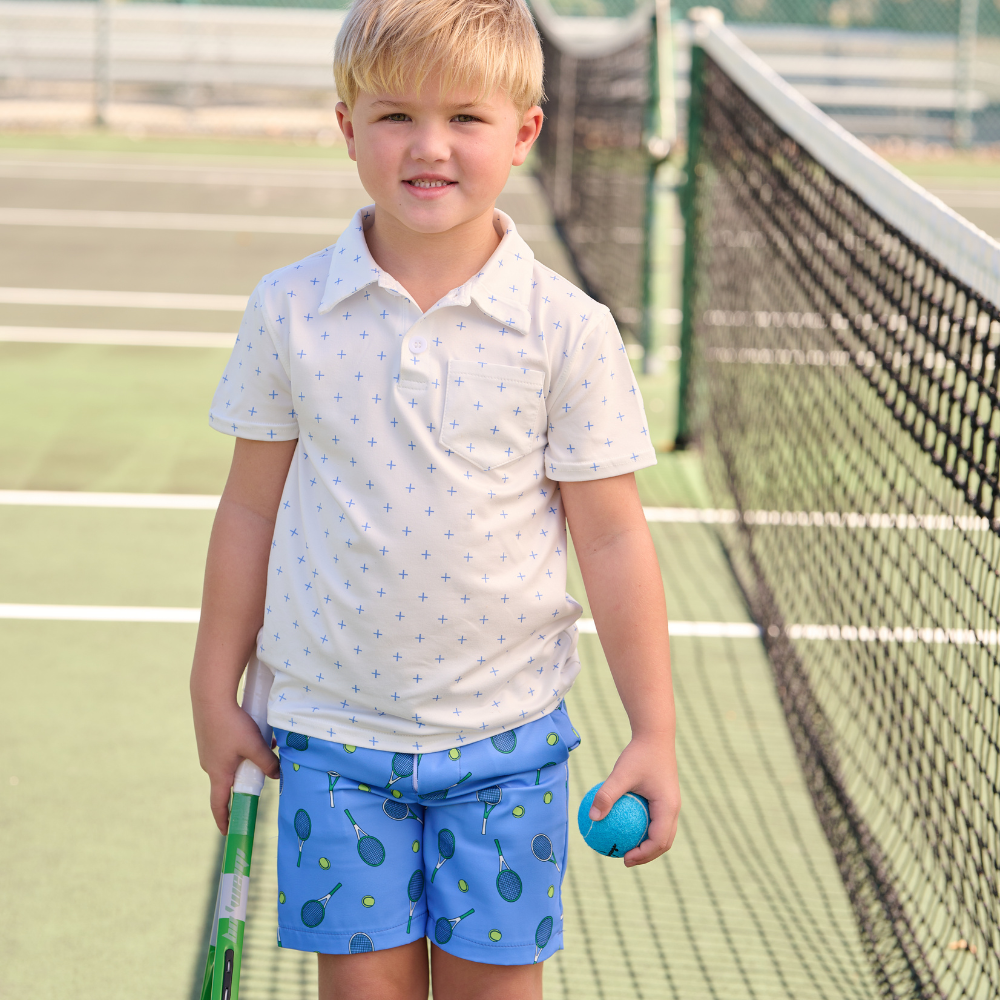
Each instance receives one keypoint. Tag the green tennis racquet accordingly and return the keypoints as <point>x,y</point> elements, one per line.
<point>225,947</point>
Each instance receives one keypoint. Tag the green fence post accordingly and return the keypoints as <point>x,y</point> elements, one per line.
<point>647,335</point>
<point>688,206</point>
<point>965,68</point>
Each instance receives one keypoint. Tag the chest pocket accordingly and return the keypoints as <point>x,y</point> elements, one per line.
<point>493,414</point>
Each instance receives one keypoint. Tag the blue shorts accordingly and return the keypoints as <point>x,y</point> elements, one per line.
<point>464,846</point>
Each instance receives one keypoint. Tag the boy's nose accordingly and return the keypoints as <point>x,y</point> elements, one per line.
<point>430,145</point>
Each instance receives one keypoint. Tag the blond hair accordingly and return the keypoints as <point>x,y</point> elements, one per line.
<point>388,45</point>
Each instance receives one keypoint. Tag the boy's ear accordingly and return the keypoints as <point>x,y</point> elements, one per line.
<point>531,125</point>
<point>346,126</point>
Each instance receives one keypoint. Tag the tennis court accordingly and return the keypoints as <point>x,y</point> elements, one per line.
<point>108,820</point>
<point>105,808</point>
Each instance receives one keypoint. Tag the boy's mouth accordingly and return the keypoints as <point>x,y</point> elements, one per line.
<point>428,182</point>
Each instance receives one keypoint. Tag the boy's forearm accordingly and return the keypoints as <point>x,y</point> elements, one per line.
<point>232,601</point>
<point>625,591</point>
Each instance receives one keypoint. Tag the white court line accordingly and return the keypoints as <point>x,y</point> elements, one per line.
<point>661,515</point>
<point>213,176</point>
<point>80,498</point>
<point>126,338</point>
<point>122,300</point>
<point>107,613</point>
<point>188,501</point>
<point>701,630</point>
<point>79,218</point>
<point>202,222</point>
<point>158,173</point>
<point>678,629</point>
<point>97,613</point>
<point>818,519</point>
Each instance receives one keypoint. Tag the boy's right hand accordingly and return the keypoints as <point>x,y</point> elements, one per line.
<point>226,736</point>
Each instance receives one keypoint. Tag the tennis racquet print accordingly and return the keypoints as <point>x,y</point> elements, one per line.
<point>361,943</point>
<point>442,793</point>
<point>490,797</point>
<point>303,829</point>
<point>538,772</point>
<point>399,811</point>
<point>508,881</point>
<point>296,741</point>
<point>314,910</point>
<point>504,742</point>
<point>541,847</point>
<point>333,777</point>
<point>445,927</point>
<point>542,934</point>
<point>370,849</point>
<point>414,890</point>
<point>402,767</point>
<point>221,980</point>
<point>446,849</point>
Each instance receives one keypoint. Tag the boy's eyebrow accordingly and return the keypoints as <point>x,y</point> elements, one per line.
<point>388,102</point>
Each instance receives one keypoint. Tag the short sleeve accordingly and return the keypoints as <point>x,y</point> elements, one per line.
<point>597,424</point>
<point>254,397</point>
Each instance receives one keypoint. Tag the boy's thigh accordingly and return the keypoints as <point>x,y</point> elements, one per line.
<point>350,867</point>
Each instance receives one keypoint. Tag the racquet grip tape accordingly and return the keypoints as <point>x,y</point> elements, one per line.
<point>227,975</point>
<point>239,816</point>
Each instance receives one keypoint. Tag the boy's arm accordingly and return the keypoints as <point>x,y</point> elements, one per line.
<point>622,577</point>
<point>232,611</point>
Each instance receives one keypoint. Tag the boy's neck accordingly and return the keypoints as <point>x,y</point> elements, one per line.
<point>429,265</point>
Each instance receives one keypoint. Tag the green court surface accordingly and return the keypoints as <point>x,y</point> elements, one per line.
<point>110,849</point>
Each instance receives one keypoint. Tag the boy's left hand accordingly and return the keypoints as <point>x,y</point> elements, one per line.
<point>648,767</point>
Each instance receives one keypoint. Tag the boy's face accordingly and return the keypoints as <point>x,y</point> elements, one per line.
<point>435,160</point>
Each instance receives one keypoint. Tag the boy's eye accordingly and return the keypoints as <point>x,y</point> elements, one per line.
<point>464,118</point>
<point>396,116</point>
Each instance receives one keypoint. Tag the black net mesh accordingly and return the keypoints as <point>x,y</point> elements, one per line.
<point>594,166</point>
<point>845,388</point>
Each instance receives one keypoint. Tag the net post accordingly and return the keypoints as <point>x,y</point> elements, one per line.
<point>965,72</point>
<point>688,198</point>
<point>662,133</point>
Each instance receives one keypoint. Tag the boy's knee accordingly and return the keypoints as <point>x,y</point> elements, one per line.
<point>395,974</point>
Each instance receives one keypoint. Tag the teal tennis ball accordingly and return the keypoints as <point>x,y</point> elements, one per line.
<point>622,829</point>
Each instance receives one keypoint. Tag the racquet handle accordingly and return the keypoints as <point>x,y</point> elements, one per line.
<point>225,951</point>
<point>249,777</point>
<point>255,694</point>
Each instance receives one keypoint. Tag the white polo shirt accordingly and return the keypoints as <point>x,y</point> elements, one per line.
<point>416,591</point>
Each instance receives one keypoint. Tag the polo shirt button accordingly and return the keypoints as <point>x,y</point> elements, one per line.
<point>418,345</point>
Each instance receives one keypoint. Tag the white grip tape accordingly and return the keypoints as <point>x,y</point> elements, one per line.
<point>255,694</point>
<point>249,778</point>
<point>233,901</point>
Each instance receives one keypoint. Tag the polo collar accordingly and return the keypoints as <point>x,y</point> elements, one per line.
<point>501,289</point>
<point>352,266</point>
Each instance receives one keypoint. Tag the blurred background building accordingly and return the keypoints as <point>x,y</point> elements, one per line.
<point>925,71</point>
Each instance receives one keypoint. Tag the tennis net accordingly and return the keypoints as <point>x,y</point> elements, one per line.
<point>841,334</point>
<point>593,157</point>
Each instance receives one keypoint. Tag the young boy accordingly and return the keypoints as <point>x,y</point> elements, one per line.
<point>418,411</point>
